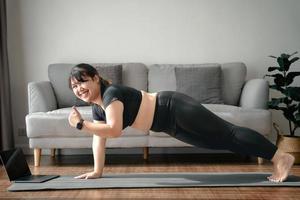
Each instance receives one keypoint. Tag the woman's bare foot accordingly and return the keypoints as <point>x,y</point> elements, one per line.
<point>282,163</point>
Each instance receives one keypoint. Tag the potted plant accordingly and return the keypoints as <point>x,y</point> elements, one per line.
<point>288,103</point>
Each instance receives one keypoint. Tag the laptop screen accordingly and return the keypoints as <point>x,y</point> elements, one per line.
<point>15,163</point>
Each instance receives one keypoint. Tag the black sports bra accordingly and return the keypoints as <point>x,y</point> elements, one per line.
<point>130,97</point>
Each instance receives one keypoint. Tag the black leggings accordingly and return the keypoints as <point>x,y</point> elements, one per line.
<point>187,120</point>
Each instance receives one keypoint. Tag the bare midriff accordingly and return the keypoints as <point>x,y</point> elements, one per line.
<point>144,118</point>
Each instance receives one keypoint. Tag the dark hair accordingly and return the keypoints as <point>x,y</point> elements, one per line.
<point>83,70</point>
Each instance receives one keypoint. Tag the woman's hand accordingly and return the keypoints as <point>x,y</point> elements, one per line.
<point>89,175</point>
<point>74,117</point>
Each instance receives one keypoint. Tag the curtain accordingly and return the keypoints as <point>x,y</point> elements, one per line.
<point>6,127</point>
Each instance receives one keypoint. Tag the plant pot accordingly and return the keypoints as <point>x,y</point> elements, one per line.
<point>287,143</point>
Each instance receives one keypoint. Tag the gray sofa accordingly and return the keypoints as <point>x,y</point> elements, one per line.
<point>49,102</point>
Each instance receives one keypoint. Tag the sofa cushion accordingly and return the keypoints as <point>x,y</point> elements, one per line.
<point>233,79</point>
<point>113,73</point>
<point>135,75</point>
<point>59,74</point>
<point>200,82</point>
<point>161,78</point>
<point>55,124</point>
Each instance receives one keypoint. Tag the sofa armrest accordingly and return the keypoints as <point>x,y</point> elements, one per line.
<point>255,94</point>
<point>41,97</point>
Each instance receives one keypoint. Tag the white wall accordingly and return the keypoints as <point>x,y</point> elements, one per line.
<point>41,32</point>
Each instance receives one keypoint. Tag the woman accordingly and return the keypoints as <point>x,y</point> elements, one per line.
<point>116,107</point>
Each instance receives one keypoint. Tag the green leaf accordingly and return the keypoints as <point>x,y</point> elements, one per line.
<point>274,68</point>
<point>287,100</point>
<point>275,107</point>
<point>275,87</point>
<point>284,55</point>
<point>284,62</point>
<point>289,115</point>
<point>297,123</point>
<point>297,116</point>
<point>293,93</point>
<point>290,77</point>
<point>294,60</point>
<point>278,80</point>
<point>294,53</point>
<point>274,102</point>
<point>270,106</point>
<point>292,108</point>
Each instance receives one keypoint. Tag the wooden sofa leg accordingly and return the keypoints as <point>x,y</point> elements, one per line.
<point>53,153</point>
<point>260,160</point>
<point>146,153</point>
<point>37,157</point>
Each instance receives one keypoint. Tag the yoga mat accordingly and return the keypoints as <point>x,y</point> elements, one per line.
<point>158,180</point>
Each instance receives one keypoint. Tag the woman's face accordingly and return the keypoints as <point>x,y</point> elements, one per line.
<point>87,91</point>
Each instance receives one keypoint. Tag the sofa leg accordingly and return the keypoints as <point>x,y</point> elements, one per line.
<point>37,157</point>
<point>53,153</point>
<point>260,160</point>
<point>146,153</point>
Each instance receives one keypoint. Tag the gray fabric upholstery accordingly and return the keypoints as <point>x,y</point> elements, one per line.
<point>58,75</point>
<point>55,124</point>
<point>41,97</point>
<point>86,142</point>
<point>233,79</point>
<point>161,78</point>
<point>135,75</point>
<point>201,83</point>
<point>159,180</point>
<point>113,72</point>
<point>255,94</point>
<point>254,118</point>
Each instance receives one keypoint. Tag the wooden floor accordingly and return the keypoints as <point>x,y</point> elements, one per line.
<point>74,165</point>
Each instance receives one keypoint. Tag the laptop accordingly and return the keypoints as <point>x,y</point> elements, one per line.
<point>17,168</point>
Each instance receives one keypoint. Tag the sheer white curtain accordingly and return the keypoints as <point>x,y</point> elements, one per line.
<point>6,128</point>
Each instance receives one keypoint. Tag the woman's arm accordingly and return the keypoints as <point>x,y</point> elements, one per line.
<point>114,121</point>
<point>99,153</point>
<point>99,156</point>
<point>101,130</point>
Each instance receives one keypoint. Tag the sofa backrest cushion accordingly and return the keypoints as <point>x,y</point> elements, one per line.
<point>201,83</point>
<point>233,80</point>
<point>112,73</point>
<point>133,75</point>
<point>162,77</point>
